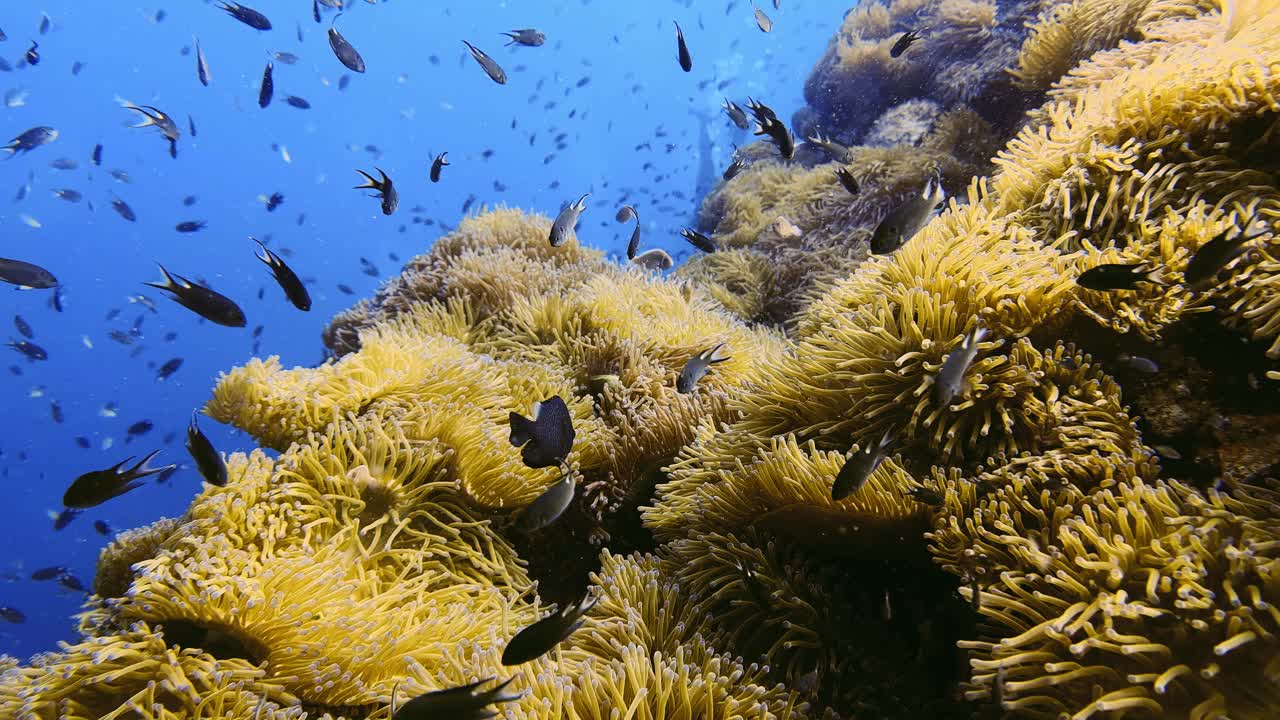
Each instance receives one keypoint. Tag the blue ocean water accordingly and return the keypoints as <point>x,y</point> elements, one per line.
<point>607,79</point>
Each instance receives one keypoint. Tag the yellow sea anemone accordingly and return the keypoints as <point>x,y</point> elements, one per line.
<point>1148,599</point>
<point>134,674</point>
<point>114,571</point>
<point>785,488</point>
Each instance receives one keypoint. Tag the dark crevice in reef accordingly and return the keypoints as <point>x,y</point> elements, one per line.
<point>221,642</point>
<point>1208,411</point>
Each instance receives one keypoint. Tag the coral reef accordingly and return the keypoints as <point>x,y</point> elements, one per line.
<point>1092,521</point>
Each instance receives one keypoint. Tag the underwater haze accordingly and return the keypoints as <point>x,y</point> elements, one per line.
<point>707,359</point>
<point>569,121</point>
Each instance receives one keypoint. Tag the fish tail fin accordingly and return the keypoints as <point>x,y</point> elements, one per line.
<point>712,357</point>
<point>370,182</point>
<point>1155,275</point>
<point>494,694</point>
<point>143,469</point>
<point>167,284</point>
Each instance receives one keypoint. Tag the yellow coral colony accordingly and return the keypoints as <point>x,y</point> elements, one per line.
<point>1026,523</point>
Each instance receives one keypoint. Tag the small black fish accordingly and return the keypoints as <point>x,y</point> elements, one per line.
<point>847,180</point>
<point>682,50</point>
<point>169,368</point>
<point>566,221</point>
<point>285,277</point>
<point>1115,276</point>
<point>274,201</point>
<point>347,54</point>
<point>48,573</point>
<point>202,65</point>
<point>123,210</point>
<point>1138,363</point>
<point>735,167</point>
<point>191,125</point>
<point>736,114</point>
<point>55,412</point>
<point>858,467</point>
<point>927,496</point>
<point>33,55</point>
<point>626,213</point>
<point>71,196</point>
<point>24,328</point>
<point>491,68</point>
<point>698,240</point>
<point>142,427</point>
<point>248,16</point>
<point>31,350</point>
<point>779,135</point>
<point>458,703</point>
<point>527,37</point>
<point>190,226</point>
<point>64,518</point>
<point>71,582</point>
<point>295,101</point>
<point>25,274</point>
<point>32,139</point>
<point>287,58</point>
<point>64,164</point>
<point>541,637</point>
<point>385,188</point>
<point>98,486</point>
<point>903,43</point>
<point>101,527</point>
<point>96,157</point>
<point>206,303</point>
<point>696,368</point>
<point>189,200</point>
<point>904,221</point>
<point>45,23</point>
<point>546,438</point>
<point>437,165</point>
<point>210,464</point>
<point>16,617</point>
<point>1213,256</point>
<point>268,87</point>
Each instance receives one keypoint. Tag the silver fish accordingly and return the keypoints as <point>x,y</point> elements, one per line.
<point>762,20</point>
<point>736,114</point>
<point>697,367</point>
<point>491,68</point>
<point>655,259</point>
<point>904,221</point>
<point>950,379</point>
<point>202,65</point>
<point>566,221</point>
<point>548,506</point>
